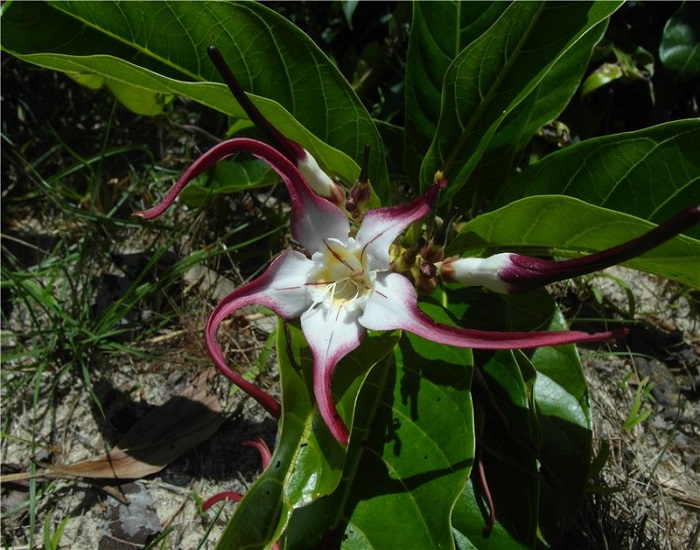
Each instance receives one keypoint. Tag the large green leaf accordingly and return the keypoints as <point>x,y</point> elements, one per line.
<point>565,454</point>
<point>468,523</point>
<point>409,457</point>
<point>307,462</point>
<point>496,73</point>
<point>509,439</point>
<point>160,47</point>
<point>502,156</point>
<point>507,431</point>
<point>564,420</point>
<point>439,32</point>
<point>534,425</point>
<point>564,226</point>
<point>435,42</point>
<point>652,173</point>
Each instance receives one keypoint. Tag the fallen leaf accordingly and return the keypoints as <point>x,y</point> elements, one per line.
<point>162,436</point>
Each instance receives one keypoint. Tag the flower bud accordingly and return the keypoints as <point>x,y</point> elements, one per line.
<point>361,192</point>
<point>319,181</point>
<point>510,273</point>
<point>478,272</point>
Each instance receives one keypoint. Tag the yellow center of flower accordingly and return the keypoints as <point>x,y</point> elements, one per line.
<point>340,278</point>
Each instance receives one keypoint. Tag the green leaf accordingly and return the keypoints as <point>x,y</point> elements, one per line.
<point>565,454</point>
<point>651,173</point>
<point>601,77</point>
<point>564,419</point>
<point>507,430</point>
<point>137,100</point>
<point>307,461</point>
<point>495,73</point>
<point>544,104</point>
<point>468,521</point>
<point>160,47</point>
<point>679,50</point>
<point>435,42</point>
<point>349,7</point>
<point>509,439</point>
<point>409,455</point>
<point>533,417</point>
<point>564,226</point>
<point>439,32</point>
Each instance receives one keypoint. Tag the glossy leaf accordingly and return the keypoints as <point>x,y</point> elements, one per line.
<point>657,167</point>
<point>601,77</point>
<point>564,226</point>
<point>496,72</point>
<point>141,102</point>
<point>679,50</point>
<point>508,441</point>
<point>409,455</point>
<point>565,455</point>
<point>468,523</point>
<point>535,440</point>
<point>564,421</point>
<point>545,103</point>
<point>160,47</point>
<point>307,460</point>
<point>507,430</point>
<point>439,32</point>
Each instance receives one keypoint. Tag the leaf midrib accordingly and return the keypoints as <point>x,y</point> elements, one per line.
<point>137,47</point>
<point>467,131</point>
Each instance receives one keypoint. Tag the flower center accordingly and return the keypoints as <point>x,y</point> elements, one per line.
<point>340,277</point>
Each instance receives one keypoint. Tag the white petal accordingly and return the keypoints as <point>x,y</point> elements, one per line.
<point>314,218</point>
<point>282,288</point>
<point>331,335</point>
<point>389,306</point>
<point>393,305</point>
<point>381,226</point>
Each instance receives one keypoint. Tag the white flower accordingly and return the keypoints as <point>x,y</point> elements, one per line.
<point>344,286</point>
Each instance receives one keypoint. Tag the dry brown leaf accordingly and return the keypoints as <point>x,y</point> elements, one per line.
<point>163,435</point>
